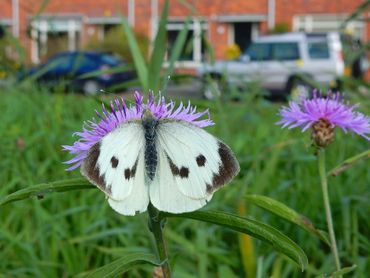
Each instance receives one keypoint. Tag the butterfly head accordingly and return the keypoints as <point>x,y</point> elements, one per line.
<point>147,114</point>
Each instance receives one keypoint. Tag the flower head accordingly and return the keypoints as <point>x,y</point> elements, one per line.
<point>118,113</point>
<point>323,114</point>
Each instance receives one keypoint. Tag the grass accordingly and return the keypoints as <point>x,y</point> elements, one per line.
<point>65,234</point>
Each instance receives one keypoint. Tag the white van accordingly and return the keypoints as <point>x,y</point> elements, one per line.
<point>284,63</point>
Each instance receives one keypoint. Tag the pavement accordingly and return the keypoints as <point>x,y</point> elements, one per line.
<point>190,89</point>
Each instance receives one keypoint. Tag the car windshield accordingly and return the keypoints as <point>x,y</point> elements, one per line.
<point>110,60</point>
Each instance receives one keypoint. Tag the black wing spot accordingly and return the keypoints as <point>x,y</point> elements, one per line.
<point>127,174</point>
<point>130,173</point>
<point>201,160</point>
<point>183,172</point>
<point>91,170</point>
<point>228,168</point>
<point>174,169</point>
<point>114,162</point>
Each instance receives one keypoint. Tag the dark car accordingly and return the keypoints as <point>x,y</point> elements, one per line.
<point>87,72</point>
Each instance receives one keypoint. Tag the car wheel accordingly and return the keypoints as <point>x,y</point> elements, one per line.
<point>212,88</point>
<point>91,88</point>
<point>298,90</point>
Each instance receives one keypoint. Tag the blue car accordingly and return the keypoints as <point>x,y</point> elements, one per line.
<point>82,71</point>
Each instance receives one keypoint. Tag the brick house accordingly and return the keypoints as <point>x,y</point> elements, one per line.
<point>68,24</point>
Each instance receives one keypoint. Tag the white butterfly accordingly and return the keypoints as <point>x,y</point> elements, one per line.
<point>171,163</point>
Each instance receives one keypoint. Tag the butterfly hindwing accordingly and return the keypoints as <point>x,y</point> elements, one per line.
<point>192,164</point>
<point>165,194</point>
<point>116,166</point>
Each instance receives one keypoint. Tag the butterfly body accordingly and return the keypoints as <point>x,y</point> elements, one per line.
<point>150,154</point>
<point>171,163</point>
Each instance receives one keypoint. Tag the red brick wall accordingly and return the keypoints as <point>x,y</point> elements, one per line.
<point>286,9</point>
<point>216,7</point>
<point>208,9</point>
<point>218,32</point>
<point>5,10</point>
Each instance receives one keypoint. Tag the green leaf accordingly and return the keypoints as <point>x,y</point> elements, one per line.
<point>343,271</point>
<point>159,51</point>
<point>287,213</point>
<point>254,228</point>
<point>339,273</point>
<point>117,267</point>
<point>175,53</point>
<point>139,61</point>
<point>349,163</point>
<point>45,188</point>
<point>356,13</point>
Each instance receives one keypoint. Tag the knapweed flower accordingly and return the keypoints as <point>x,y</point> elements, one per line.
<point>322,114</point>
<point>118,112</point>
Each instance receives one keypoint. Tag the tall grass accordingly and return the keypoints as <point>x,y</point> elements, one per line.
<point>65,234</point>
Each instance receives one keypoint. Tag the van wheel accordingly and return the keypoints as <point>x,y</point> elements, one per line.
<point>298,89</point>
<point>212,87</point>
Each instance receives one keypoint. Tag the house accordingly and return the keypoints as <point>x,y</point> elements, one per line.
<point>68,24</point>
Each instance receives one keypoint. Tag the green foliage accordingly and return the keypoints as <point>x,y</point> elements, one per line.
<point>281,27</point>
<point>122,265</point>
<point>64,234</point>
<point>150,73</point>
<point>287,213</point>
<point>116,41</point>
<point>254,228</point>
<point>244,225</point>
<point>75,233</point>
<point>10,59</point>
<point>40,190</point>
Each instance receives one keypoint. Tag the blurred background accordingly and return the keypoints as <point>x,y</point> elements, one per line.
<point>242,60</point>
<point>330,38</point>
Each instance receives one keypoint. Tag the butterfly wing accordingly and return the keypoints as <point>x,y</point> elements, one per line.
<point>192,164</point>
<point>116,166</point>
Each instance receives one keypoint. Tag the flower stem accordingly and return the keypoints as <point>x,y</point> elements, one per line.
<point>156,225</point>
<point>329,219</point>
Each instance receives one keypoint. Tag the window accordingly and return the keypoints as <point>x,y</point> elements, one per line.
<point>194,48</point>
<point>285,51</point>
<point>328,22</point>
<point>318,50</point>
<point>187,52</point>
<point>259,52</point>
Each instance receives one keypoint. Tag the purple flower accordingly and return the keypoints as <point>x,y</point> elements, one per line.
<point>325,113</point>
<point>119,113</point>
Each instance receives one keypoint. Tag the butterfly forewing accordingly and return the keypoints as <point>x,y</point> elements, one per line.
<point>116,163</point>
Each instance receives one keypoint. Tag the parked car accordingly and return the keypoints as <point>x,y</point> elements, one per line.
<point>88,72</point>
<point>284,63</point>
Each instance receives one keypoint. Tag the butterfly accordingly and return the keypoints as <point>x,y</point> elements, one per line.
<point>172,163</point>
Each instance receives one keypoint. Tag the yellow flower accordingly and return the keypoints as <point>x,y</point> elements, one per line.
<point>232,51</point>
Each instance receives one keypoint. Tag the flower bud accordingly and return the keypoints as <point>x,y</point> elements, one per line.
<point>322,132</point>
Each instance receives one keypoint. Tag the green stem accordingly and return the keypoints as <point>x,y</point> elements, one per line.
<point>156,225</point>
<point>329,219</point>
